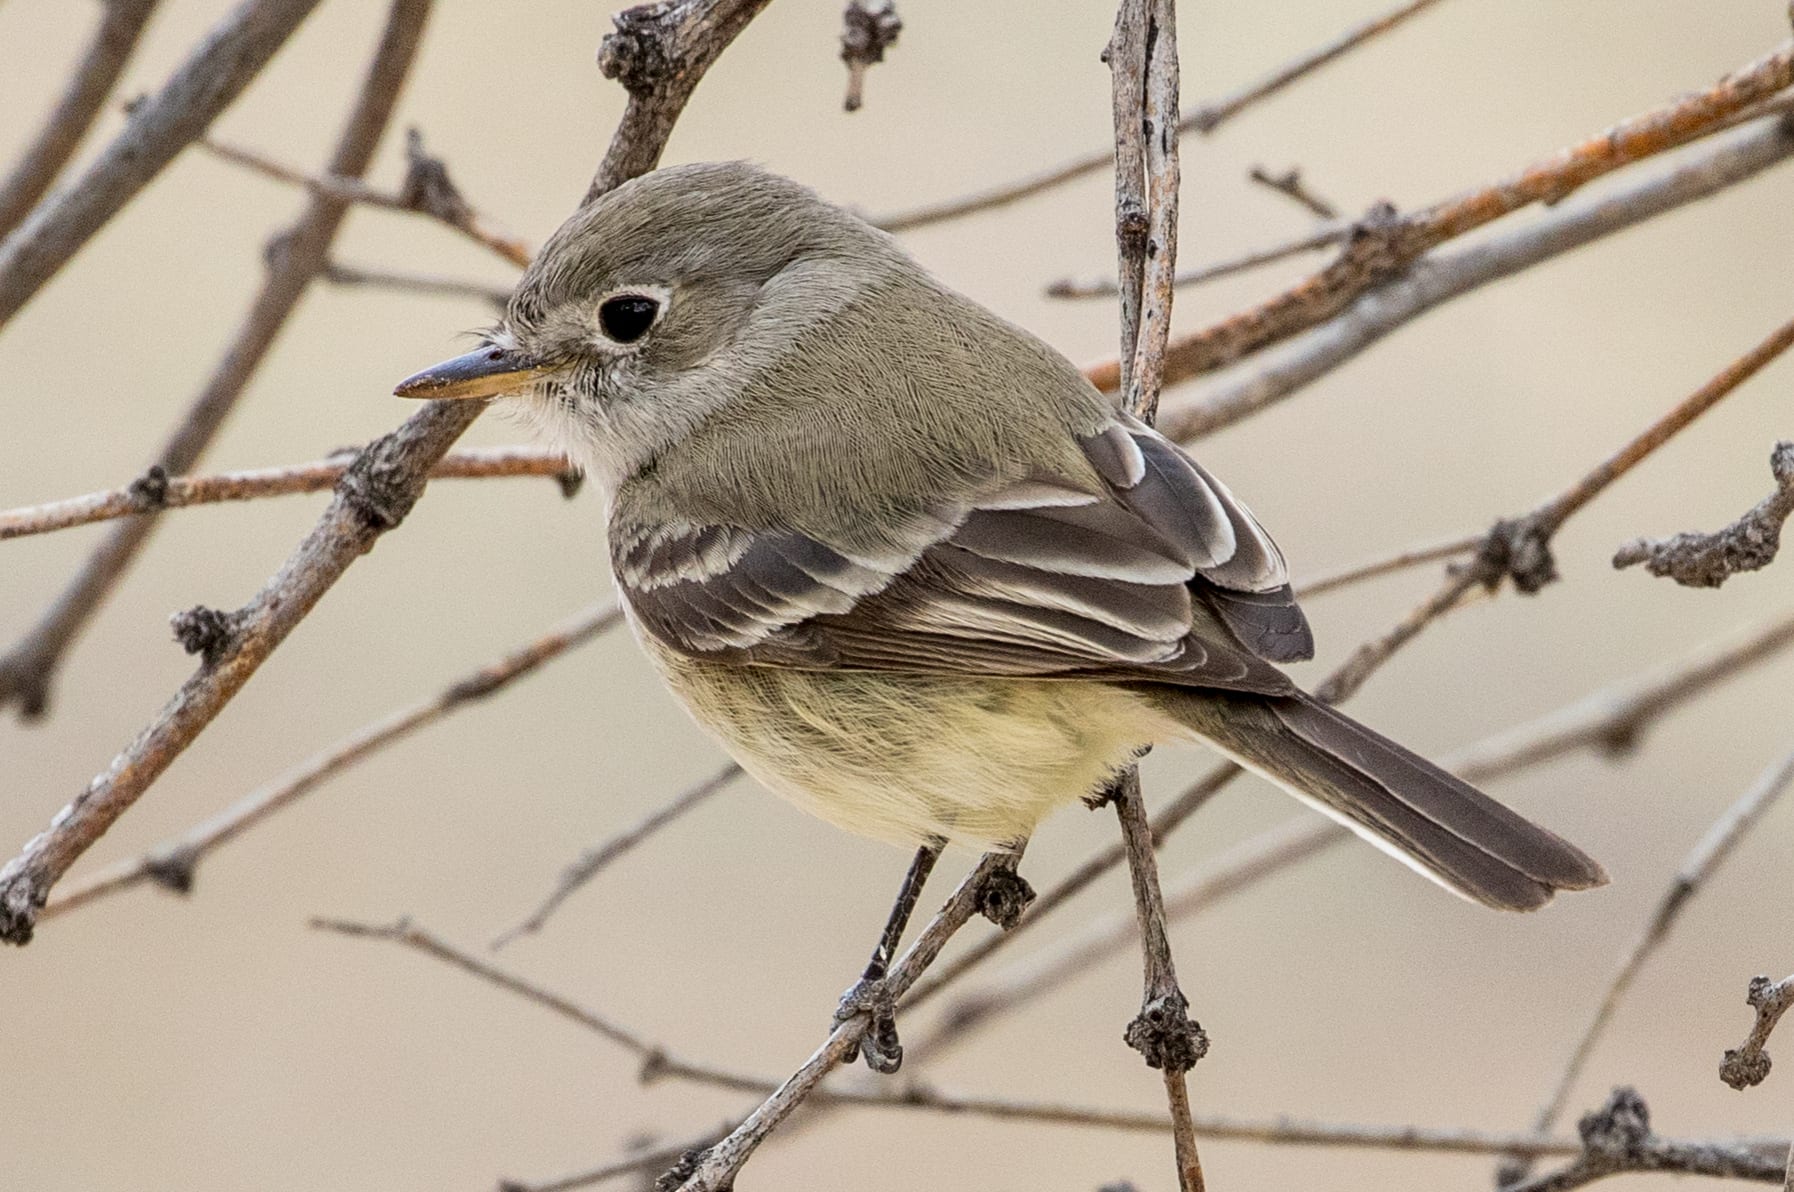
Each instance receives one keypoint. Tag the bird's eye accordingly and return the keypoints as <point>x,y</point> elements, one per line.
<point>627,317</point>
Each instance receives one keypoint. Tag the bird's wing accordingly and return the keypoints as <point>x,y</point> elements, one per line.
<point>1161,576</point>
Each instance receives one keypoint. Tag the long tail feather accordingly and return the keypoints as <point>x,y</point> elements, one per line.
<point>1401,802</point>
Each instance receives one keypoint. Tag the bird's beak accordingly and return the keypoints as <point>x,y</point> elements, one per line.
<point>484,372</point>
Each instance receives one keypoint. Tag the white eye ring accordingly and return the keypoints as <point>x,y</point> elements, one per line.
<point>626,314</point>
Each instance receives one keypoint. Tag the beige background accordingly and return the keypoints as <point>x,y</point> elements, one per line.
<point>148,1043</point>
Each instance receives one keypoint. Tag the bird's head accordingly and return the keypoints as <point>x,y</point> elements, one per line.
<point>654,305</point>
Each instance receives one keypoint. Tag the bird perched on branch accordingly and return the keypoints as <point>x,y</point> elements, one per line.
<point>905,561</point>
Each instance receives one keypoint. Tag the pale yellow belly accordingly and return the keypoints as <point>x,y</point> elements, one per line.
<point>906,758</point>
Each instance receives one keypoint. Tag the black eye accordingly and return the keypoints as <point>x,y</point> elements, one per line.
<point>627,317</point>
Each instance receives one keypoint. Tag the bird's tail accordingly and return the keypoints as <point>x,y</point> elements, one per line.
<point>1399,801</point>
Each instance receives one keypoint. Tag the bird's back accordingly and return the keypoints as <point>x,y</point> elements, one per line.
<point>793,453</point>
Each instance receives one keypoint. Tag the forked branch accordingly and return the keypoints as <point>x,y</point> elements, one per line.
<point>661,51</point>
<point>295,258</point>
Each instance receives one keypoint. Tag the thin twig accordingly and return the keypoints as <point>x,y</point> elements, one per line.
<point>1519,549</point>
<point>1077,955</point>
<point>373,496</point>
<point>715,1170</point>
<point>1617,1139</point>
<point>1554,513</point>
<point>1615,718</point>
<point>866,33</point>
<point>1289,184</point>
<point>1339,232</point>
<point>1322,237</point>
<point>658,1063</point>
<point>1144,142</point>
<point>28,668</point>
<point>121,25</point>
<point>1413,556</point>
<point>173,863</point>
<point>1169,819</point>
<point>595,860</point>
<point>1747,1064</point>
<point>1748,544</point>
<point>437,199</point>
<point>1163,1032</point>
<point>1142,58</point>
<point>339,274</point>
<point>1204,118</point>
<point>1696,870</point>
<point>1384,249</point>
<point>683,37</point>
<point>1217,112</point>
<point>1126,55</point>
<point>217,71</point>
<point>1438,278</point>
<point>1369,657</point>
<point>155,490</point>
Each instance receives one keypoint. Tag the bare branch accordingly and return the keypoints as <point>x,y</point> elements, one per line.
<point>715,1169</point>
<point>1555,512</point>
<point>1438,278</point>
<point>866,34</point>
<point>658,1063</point>
<point>1164,1034</point>
<point>1316,240</point>
<point>1617,1138</point>
<point>173,863</point>
<point>232,54</point>
<point>1519,549</point>
<point>1204,118</point>
<point>1142,58</point>
<point>1290,185</point>
<point>1413,556</point>
<point>27,669</point>
<point>1217,112</point>
<point>373,496</point>
<point>156,490</point>
<point>1746,1065</point>
<point>1615,718</point>
<point>427,190</point>
<point>1076,955</point>
<point>121,25</point>
<point>1708,560</point>
<point>595,860</point>
<point>1382,250</point>
<point>679,39</point>
<point>658,53</point>
<point>1460,583</point>
<point>1328,234</point>
<point>1171,817</point>
<point>1696,870</point>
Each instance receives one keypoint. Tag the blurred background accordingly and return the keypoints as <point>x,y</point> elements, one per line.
<point>217,1043</point>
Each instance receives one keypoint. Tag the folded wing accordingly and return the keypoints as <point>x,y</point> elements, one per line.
<point>1160,575</point>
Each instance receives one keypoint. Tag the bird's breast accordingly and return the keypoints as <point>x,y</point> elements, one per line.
<point>905,757</point>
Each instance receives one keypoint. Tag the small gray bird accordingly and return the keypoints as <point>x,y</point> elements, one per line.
<point>905,561</point>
